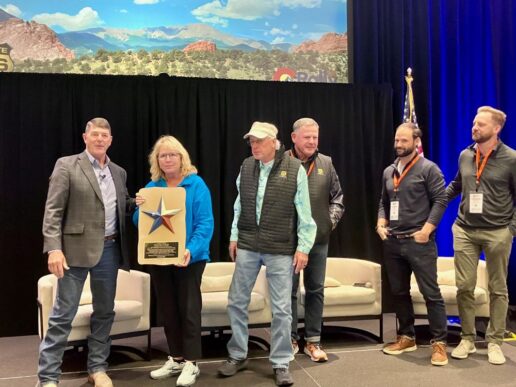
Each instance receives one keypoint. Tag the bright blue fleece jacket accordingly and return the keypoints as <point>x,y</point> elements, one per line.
<point>199,216</point>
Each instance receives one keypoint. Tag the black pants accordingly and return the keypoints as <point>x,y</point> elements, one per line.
<point>178,293</point>
<point>401,258</point>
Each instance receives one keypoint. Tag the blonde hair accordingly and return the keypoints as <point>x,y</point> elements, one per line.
<point>497,115</point>
<point>305,121</point>
<point>169,142</point>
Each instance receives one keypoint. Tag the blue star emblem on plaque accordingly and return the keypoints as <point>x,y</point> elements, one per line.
<point>162,216</point>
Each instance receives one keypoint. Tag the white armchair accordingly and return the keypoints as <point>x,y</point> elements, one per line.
<point>132,308</point>
<point>215,284</point>
<point>446,282</point>
<point>352,291</point>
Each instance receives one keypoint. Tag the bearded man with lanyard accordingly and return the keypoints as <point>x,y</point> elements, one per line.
<point>486,222</point>
<point>412,204</point>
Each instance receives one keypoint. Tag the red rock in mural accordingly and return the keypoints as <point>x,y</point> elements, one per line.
<point>330,42</point>
<point>201,45</point>
<point>31,40</point>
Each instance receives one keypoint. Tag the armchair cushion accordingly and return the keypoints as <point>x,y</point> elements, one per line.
<point>125,310</point>
<point>86,298</point>
<point>215,283</point>
<point>449,294</point>
<point>330,282</point>
<point>341,298</point>
<point>217,302</point>
<point>446,277</point>
<point>346,295</point>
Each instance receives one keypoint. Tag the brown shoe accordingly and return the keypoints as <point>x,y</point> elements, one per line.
<point>100,379</point>
<point>402,344</point>
<point>439,356</point>
<point>316,353</point>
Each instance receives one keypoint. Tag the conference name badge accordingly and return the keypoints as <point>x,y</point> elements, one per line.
<point>395,210</point>
<point>162,226</point>
<point>476,202</point>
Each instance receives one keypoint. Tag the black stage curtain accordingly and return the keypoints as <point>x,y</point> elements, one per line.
<point>43,117</point>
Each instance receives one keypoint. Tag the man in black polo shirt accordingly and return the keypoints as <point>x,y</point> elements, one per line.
<point>411,206</point>
<point>486,222</point>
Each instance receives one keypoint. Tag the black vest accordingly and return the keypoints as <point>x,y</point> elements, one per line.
<point>277,231</point>
<point>319,186</point>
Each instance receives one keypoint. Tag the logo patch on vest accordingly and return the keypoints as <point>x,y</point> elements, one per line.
<point>283,174</point>
<point>320,171</point>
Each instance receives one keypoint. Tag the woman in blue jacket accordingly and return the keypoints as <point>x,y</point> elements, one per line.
<point>178,287</point>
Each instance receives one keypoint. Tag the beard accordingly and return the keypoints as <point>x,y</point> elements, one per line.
<point>403,152</point>
<point>479,138</point>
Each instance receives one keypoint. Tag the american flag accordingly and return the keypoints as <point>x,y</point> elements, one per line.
<point>409,109</point>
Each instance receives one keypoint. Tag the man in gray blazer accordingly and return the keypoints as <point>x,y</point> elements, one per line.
<point>84,232</point>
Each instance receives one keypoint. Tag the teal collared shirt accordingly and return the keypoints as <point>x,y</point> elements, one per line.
<point>306,227</point>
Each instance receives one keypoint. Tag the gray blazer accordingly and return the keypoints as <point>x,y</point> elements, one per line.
<point>74,212</point>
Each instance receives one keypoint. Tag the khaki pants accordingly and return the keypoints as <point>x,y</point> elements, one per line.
<point>496,244</point>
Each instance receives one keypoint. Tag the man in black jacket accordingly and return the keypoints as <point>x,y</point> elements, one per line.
<point>327,204</point>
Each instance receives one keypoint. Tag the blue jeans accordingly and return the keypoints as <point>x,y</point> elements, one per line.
<point>103,278</point>
<point>401,258</point>
<point>313,278</point>
<point>279,279</point>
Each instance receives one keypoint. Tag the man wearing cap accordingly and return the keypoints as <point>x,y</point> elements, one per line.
<point>412,204</point>
<point>272,226</point>
<point>327,204</point>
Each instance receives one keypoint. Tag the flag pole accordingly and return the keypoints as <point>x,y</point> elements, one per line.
<point>409,110</point>
<point>410,94</point>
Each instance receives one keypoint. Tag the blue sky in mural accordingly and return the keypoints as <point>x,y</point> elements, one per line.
<point>274,21</point>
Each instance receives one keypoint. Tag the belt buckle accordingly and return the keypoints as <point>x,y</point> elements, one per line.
<point>402,236</point>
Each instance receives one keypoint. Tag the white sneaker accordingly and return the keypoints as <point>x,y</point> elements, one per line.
<point>495,354</point>
<point>463,350</point>
<point>188,375</point>
<point>170,368</point>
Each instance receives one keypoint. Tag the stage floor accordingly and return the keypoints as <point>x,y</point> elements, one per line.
<point>354,360</point>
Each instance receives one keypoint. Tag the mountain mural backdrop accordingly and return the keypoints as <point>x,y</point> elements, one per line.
<point>198,50</point>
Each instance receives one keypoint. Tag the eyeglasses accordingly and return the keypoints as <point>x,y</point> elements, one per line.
<point>164,156</point>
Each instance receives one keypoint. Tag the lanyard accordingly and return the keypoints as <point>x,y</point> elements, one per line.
<point>310,168</point>
<point>480,167</point>
<point>397,180</point>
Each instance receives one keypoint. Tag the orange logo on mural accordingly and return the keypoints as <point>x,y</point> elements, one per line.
<point>284,74</point>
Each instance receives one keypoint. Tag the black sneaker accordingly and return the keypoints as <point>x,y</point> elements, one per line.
<point>232,366</point>
<point>283,377</point>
